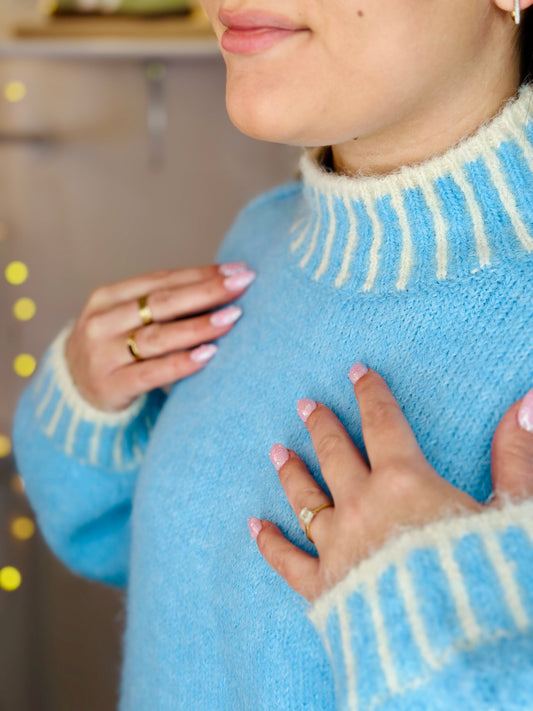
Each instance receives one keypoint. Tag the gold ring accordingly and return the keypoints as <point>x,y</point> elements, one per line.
<point>133,347</point>
<point>144,310</point>
<point>307,515</point>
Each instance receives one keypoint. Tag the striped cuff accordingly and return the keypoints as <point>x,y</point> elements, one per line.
<point>425,598</point>
<point>113,441</point>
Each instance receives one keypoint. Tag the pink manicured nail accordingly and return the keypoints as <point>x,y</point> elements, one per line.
<point>278,456</point>
<point>305,407</point>
<point>255,526</point>
<point>525,412</point>
<point>357,371</point>
<point>203,353</point>
<point>239,281</point>
<point>226,316</point>
<point>232,268</point>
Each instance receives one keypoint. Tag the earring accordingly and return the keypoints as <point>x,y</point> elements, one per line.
<point>516,12</point>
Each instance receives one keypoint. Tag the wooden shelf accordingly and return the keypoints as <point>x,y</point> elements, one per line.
<point>108,37</point>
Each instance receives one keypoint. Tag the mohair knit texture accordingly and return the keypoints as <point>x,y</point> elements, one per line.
<point>425,276</point>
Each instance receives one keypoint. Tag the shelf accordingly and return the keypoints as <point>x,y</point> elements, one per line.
<point>109,37</point>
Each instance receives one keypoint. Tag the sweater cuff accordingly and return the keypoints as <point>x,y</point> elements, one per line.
<point>424,598</point>
<point>108,440</point>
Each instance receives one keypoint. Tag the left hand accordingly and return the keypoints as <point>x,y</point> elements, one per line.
<point>397,488</point>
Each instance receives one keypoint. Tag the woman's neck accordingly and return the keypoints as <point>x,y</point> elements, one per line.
<point>444,219</point>
<point>422,132</point>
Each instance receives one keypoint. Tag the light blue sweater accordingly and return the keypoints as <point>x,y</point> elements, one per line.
<point>425,275</point>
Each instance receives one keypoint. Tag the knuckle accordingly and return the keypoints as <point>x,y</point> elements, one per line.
<point>162,298</point>
<point>93,327</point>
<point>286,472</point>
<point>213,288</point>
<point>152,336</point>
<point>310,494</point>
<point>401,479</point>
<point>518,449</point>
<point>329,444</point>
<point>354,508</point>
<point>379,415</point>
<point>97,296</point>
<point>196,329</point>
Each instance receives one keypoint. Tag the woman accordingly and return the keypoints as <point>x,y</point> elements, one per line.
<point>404,248</point>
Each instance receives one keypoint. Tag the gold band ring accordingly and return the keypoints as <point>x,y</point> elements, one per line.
<point>307,515</point>
<point>145,312</point>
<point>133,347</point>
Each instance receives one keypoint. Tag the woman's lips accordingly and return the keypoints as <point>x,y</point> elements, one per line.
<point>253,41</point>
<point>253,32</point>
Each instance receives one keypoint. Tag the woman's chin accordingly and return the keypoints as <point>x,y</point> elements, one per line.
<point>267,121</point>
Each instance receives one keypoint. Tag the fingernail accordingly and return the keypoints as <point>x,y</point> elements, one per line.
<point>278,456</point>
<point>305,407</point>
<point>239,281</point>
<point>525,412</point>
<point>255,526</point>
<point>203,353</point>
<point>232,268</point>
<point>226,316</point>
<point>357,371</point>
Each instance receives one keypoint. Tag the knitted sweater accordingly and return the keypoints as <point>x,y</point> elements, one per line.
<point>425,275</point>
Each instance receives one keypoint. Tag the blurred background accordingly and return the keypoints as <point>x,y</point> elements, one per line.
<point>116,158</point>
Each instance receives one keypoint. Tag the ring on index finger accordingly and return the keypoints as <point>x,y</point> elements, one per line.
<point>145,313</point>
<point>306,516</point>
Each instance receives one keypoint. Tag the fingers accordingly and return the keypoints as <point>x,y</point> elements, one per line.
<point>299,569</point>
<point>171,303</point>
<point>159,339</point>
<point>341,462</point>
<point>389,439</point>
<point>141,377</point>
<point>512,452</point>
<point>107,296</point>
<point>300,487</point>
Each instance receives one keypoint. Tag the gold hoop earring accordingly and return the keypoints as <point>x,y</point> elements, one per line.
<point>516,12</point>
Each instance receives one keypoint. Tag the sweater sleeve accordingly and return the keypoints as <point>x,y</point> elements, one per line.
<point>80,467</point>
<point>440,619</point>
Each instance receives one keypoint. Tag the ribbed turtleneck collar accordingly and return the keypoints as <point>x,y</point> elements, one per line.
<point>468,209</point>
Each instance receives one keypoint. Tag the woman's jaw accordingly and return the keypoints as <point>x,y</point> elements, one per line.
<point>407,79</point>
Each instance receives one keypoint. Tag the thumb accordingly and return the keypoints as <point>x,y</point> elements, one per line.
<point>512,452</point>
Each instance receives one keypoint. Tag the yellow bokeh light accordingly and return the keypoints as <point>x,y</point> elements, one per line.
<point>17,484</point>
<point>24,365</point>
<point>14,91</point>
<point>10,578</point>
<point>16,273</point>
<point>24,309</point>
<point>22,528</point>
<point>5,446</point>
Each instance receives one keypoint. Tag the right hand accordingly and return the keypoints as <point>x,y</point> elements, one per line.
<point>173,347</point>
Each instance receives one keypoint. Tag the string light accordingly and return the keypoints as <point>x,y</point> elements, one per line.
<point>16,273</point>
<point>10,578</point>
<point>5,446</point>
<point>14,91</point>
<point>22,528</point>
<point>24,365</point>
<point>24,309</point>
